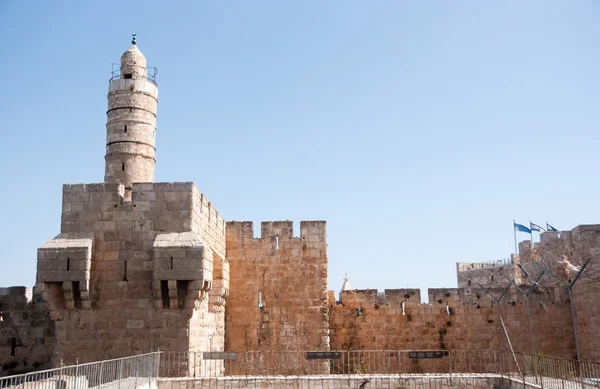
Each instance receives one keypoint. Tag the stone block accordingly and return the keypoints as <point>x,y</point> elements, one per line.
<point>186,274</point>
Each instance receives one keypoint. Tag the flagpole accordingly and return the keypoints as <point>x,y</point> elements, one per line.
<point>531,234</point>
<point>515,231</point>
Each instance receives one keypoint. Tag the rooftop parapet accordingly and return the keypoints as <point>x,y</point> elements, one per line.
<point>313,231</point>
<point>11,291</point>
<point>466,266</point>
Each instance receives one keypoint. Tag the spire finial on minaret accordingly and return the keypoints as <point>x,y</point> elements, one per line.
<point>133,39</point>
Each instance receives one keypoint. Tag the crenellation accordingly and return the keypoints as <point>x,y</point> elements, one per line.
<point>270,276</point>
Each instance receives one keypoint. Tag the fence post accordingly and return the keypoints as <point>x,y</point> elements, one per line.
<point>120,374</point>
<point>100,378</point>
<point>136,371</point>
<point>150,364</point>
<point>60,372</point>
<point>76,372</point>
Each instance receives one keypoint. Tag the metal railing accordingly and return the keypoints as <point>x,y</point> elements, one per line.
<point>550,372</point>
<point>418,369</point>
<point>151,73</point>
<point>122,373</point>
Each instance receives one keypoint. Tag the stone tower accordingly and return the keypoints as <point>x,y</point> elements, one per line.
<point>140,263</point>
<point>131,122</point>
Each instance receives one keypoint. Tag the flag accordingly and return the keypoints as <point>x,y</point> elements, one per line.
<point>550,228</point>
<point>535,227</point>
<point>522,228</point>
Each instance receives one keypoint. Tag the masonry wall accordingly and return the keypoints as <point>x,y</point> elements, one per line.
<point>474,274</point>
<point>290,276</point>
<point>455,319</point>
<point>577,245</point>
<point>365,381</point>
<point>130,277</point>
<point>26,332</point>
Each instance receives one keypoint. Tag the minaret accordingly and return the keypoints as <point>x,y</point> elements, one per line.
<point>131,122</point>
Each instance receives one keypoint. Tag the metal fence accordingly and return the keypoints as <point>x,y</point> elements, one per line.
<point>540,370</point>
<point>383,368</point>
<point>123,373</point>
<point>195,364</point>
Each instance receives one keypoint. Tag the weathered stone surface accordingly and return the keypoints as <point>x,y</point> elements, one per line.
<point>27,338</point>
<point>278,288</point>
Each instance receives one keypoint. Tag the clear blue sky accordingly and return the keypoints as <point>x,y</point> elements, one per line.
<point>418,130</point>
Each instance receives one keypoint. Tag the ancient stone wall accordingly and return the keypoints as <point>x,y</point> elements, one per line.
<point>278,297</point>
<point>576,246</point>
<point>26,332</point>
<point>454,319</point>
<point>485,273</point>
<point>125,277</point>
<point>548,268</point>
<point>365,381</point>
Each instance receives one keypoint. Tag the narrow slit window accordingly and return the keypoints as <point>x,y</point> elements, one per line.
<point>123,167</point>
<point>182,286</point>
<point>171,263</point>
<point>126,129</point>
<point>76,295</point>
<point>164,294</point>
<point>68,263</point>
<point>125,272</point>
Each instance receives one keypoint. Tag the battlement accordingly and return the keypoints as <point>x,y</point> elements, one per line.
<point>312,231</point>
<point>278,286</point>
<point>355,297</point>
<point>466,266</point>
<point>12,292</point>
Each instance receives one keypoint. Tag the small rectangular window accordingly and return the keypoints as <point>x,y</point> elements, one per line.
<point>126,129</point>
<point>127,76</point>
<point>123,167</point>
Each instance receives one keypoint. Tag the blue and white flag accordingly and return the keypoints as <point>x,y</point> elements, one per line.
<point>535,227</point>
<point>522,228</point>
<point>550,228</point>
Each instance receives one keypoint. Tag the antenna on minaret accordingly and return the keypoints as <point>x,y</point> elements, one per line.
<point>133,39</point>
